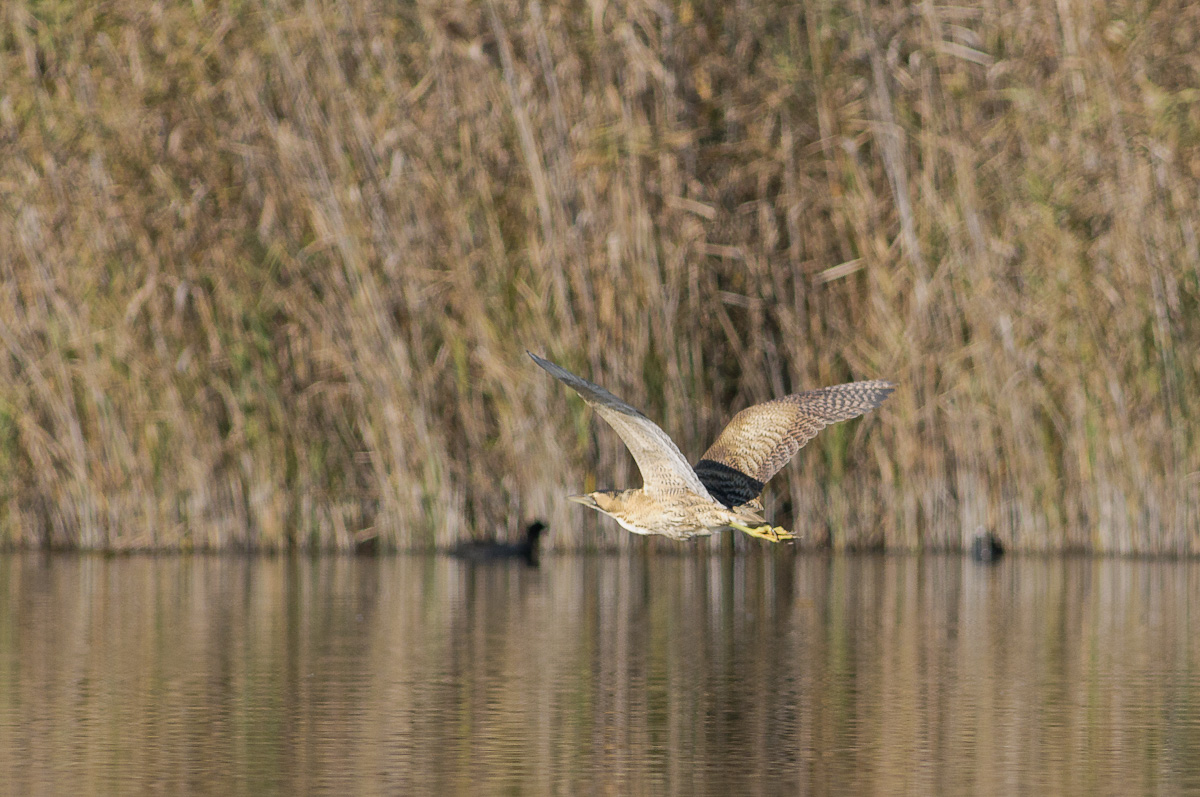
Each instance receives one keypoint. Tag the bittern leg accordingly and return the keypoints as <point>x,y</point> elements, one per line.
<point>765,532</point>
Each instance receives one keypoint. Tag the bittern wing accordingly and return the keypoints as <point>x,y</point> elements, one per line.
<point>761,439</point>
<point>663,466</point>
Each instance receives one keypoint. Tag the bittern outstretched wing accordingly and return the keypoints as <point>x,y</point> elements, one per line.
<point>762,439</point>
<point>663,466</point>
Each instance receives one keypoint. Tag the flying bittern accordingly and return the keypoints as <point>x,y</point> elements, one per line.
<point>722,490</point>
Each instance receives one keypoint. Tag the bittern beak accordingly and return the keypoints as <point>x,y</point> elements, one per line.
<point>586,500</point>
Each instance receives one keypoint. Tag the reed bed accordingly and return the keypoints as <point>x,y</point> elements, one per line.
<point>269,271</point>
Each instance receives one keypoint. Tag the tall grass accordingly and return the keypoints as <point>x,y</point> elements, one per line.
<point>268,273</point>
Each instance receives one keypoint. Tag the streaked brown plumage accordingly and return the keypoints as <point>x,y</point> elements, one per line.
<point>722,491</point>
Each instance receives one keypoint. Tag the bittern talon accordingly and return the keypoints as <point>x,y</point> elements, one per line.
<point>765,532</point>
<point>722,490</point>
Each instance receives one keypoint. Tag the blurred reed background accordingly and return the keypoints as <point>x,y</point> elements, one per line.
<point>268,273</point>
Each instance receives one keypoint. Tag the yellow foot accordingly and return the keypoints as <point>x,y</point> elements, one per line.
<point>766,532</point>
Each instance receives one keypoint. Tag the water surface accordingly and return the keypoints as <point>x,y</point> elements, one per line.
<point>760,674</point>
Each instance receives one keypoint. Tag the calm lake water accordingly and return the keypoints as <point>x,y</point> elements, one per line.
<point>769,674</point>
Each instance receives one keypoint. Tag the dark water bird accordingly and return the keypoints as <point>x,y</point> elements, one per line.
<point>722,491</point>
<point>486,550</point>
<point>986,547</point>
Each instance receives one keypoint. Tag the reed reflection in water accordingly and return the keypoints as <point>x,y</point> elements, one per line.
<point>620,675</point>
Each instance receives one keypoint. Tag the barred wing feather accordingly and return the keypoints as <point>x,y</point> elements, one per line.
<point>762,439</point>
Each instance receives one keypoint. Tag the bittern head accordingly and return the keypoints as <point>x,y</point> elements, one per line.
<point>610,502</point>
